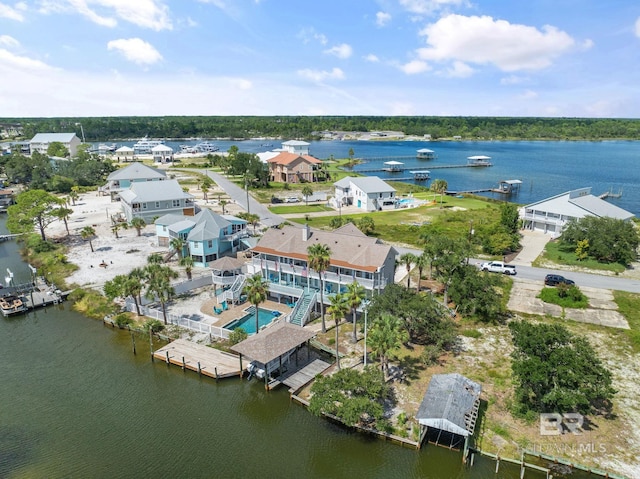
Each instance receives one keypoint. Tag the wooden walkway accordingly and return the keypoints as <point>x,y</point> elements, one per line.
<point>201,359</point>
<point>305,375</point>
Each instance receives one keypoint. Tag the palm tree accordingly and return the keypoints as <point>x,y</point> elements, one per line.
<point>187,262</point>
<point>385,336</point>
<point>73,196</point>
<point>319,260</point>
<point>88,233</point>
<point>63,214</point>
<point>306,192</point>
<point>159,285</point>
<point>366,224</point>
<point>155,258</point>
<point>337,310</point>
<point>422,261</point>
<point>256,289</point>
<point>117,226</point>
<point>223,203</point>
<point>439,186</point>
<point>178,244</point>
<point>355,295</point>
<point>138,223</point>
<point>408,259</point>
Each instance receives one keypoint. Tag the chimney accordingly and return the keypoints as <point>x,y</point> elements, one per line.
<point>306,233</point>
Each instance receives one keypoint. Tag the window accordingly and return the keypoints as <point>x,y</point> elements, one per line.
<point>157,204</point>
<point>210,244</point>
<point>176,203</point>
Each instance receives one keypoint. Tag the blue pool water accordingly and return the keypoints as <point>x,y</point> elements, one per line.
<point>248,321</point>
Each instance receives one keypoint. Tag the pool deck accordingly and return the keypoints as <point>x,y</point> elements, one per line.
<point>236,312</point>
<point>201,359</point>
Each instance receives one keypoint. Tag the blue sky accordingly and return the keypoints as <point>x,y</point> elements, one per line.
<point>574,58</point>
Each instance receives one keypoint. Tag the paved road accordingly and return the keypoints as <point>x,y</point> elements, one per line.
<point>239,195</point>
<point>268,218</point>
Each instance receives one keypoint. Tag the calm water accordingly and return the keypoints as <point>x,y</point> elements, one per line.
<point>546,168</point>
<point>76,402</point>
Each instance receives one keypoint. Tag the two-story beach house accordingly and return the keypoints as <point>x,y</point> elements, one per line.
<point>369,193</point>
<point>122,179</point>
<point>207,234</point>
<point>162,154</point>
<point>551,215</point>
<point>287,167</point>
<point>41,142</point>
<point>281,258</point>
<point>151,199</point>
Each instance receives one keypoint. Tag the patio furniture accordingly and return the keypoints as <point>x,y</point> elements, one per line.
<point>217,310</point>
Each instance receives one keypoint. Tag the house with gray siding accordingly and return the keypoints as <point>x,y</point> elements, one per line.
<point>123,178</point>
<point>369,193</point>
<point>41,142</point>
<point>152,199</point>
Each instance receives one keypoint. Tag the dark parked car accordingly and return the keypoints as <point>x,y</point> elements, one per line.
<point>556,279</point>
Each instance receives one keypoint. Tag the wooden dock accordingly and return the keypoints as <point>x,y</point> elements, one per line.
<point>201,359</point>
<point>305,375</point>
<point>405,168</point>
<point>39,294</point>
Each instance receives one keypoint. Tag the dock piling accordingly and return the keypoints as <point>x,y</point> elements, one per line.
<point>133,340</point>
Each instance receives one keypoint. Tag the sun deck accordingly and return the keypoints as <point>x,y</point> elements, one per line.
<point>201,359</point>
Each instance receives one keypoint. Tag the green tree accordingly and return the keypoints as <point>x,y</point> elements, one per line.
<point>319,260</point>
<point>306,192</point>
<point>336,222</point>
<point>33,209</point>
<point>439,186</point>
<point>478,294</point>
<point>124,286</point>
<point>407,259</point>
<point>338,309</point>
<point>73,195</point>
<point>509,217</point>
<point>366,225</point>
<point>139,224</point>
<point>63,214</point>
<point>357,398</point>
<point>155,258</point>
<point>251,218</point>
<point>159,285</point>
<point>386,336</point>
<point>582,249</point>
<point>422,261</point>
<point>117,226</point>
<point>557,371</point>
<point>356,294</point>
<point>187,264</point>
<point>58,149</point>
<point>223,203</point>
<point>450,256</point>
<point>88,234</point>
<point>257,289</point>
<point>178,245</point>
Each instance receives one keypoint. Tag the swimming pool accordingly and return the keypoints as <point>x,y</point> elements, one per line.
<point>248,321</point>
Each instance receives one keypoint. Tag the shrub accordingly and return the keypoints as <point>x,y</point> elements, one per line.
<point>122,320</point>
<point>471,333</point>
<point>154,324</point>
<point>36,244</point>
<point>237,335</point>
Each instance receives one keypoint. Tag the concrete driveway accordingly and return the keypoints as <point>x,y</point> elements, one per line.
<point>602,309</point>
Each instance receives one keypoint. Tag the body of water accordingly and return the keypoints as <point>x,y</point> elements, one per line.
<point>76,402</point>
<point>546,168</point>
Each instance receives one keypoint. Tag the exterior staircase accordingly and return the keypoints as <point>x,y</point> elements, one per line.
<point>233,293</point>
<point>302,310</point>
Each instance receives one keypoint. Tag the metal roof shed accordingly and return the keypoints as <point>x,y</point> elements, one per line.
<point>450,404</point>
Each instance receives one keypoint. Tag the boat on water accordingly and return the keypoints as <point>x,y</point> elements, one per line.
<point>11,304</point>
<point>206,147</point>
<point>144,146</point>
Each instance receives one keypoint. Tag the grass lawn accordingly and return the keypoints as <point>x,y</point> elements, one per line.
<point>629,307</point>
<point>559,253</point>
<point>299,208</point>
<point>573,298</point>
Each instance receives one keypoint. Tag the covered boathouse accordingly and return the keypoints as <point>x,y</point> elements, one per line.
<point>449,410</point>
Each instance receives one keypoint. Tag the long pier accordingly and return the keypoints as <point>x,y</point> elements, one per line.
<point>405,168</point>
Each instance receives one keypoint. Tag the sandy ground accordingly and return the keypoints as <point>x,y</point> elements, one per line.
<point>116,255</point>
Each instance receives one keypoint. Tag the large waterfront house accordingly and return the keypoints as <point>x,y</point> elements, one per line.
<point>41,142</point>
<point>368,193</point>
<point>287,167</point>
<point>151,199</point>
<point>551,215</point>
<point>207,235</point>
<point>281,258</point>
<point>123,178</point>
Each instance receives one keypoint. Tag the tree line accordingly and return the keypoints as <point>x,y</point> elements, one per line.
<point>311,127</point>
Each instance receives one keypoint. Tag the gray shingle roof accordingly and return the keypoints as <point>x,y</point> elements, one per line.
<point>450,404</point>
<point>137,171</point>
<point>146,191</point>
<point>51,137</point>
<point>208,226</point>
<point>273,341</point>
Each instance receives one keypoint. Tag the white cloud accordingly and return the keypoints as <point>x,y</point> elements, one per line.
<point>8,41</point>
<point>319,76</point>
<point>244,84</point>
<point>136,50</point>
<point>529,95</point>
<point>415,66</point>
<point>12,13</point>
<point>637,29</point>
<point>308,34</point>
<point>382,18</point>
<point>372,58</point>
<point>341,51</point>
<point>13,62</point>
<point>151,14</point>
<point>460,70</point>
<point>483,40</point>
<point>513,80</point>
<point>424,7</point>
